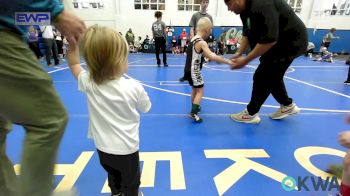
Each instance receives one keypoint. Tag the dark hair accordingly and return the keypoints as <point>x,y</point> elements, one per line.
<point>333,29</point>
<point>158,14</point>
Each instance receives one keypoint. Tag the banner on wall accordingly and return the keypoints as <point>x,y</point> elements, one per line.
<point>88,4</point>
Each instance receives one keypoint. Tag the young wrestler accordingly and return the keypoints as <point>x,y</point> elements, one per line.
<point>196,49</point>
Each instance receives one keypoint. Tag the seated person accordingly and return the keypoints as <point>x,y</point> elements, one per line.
<point>310,49</point>
<point>137,44</point>
<point>146,40</point>
<point>325,56</point>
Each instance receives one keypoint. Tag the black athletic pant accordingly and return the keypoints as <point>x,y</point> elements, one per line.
<point>268,79</point>
<point>51,46</point>
<point>123,172</point>
<point>160,44</point>
<point>34,46</point>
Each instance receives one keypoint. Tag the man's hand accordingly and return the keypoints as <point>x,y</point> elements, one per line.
<point>70,26</point>
<point>239,62</point>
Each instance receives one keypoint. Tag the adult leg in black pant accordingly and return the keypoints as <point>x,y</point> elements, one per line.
<point>123,172</point>
<point>278,89</point>
<point>268,78</point>
<point>55,52</point>
<point>163,47</point>
<point>48,50</point>
<point>51,47</point>
<point>347,81</point>
<point>158,45</point>
<point>34,46</point>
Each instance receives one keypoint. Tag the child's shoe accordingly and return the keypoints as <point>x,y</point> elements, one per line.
<point>195,118</point>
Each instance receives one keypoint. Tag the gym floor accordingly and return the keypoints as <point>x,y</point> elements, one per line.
<point>218,156</point>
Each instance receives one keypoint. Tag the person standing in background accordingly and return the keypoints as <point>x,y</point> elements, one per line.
<point>59,43</point>
<point>159,33</point>
<point>51,46</point>
<point>183,40</point>
<point>33,42</point>
<point>326,42</point>
<point>196,16</point>
<point>29,99</point>
<point>347,81</point>
<point>130,37</point>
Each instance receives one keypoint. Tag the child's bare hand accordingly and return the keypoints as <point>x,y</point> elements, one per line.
<point>230,62</point>
<point>344,139</point>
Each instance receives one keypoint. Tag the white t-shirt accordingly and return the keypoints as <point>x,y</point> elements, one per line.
<point>114,113</point>
<point>47,32</point>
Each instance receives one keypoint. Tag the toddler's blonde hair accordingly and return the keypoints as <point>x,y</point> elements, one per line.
<point>105,52</point>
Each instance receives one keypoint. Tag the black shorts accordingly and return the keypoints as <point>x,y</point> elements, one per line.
<point>326,44</point>
<point>195,79</point>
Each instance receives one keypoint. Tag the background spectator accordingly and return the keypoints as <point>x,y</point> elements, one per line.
<point>130,37</point>
<point>326,42</point>
<point>33,42</point>
<point>51,46</point>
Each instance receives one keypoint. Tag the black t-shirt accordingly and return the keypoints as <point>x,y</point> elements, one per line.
<point>266,21</point>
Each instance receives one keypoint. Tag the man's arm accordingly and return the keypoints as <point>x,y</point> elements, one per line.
<point>259,50</point>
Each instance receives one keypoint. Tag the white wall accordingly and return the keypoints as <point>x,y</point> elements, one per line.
<point>309,7</point>
<point>105,17</point>
<point>120,14</point>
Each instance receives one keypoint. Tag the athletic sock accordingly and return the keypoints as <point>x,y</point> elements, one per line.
<point>195,108</point>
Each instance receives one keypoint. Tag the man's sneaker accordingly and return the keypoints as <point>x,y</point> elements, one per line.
<point>285,111</point>
<point>245,117</point>
<point>195,118</point>
<point>347,82</point>
<point>166,65</point>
